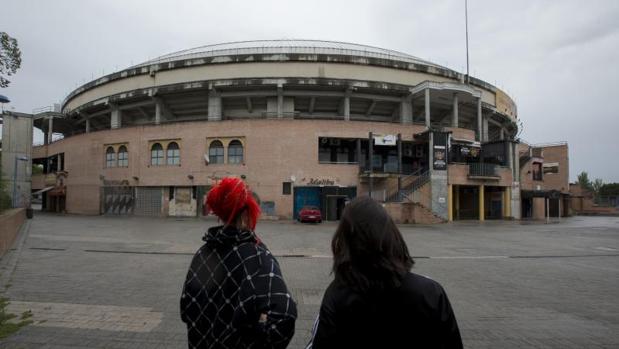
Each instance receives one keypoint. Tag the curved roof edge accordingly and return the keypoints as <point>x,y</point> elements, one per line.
<point>287,46</point>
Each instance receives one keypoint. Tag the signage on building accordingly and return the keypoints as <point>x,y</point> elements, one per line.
<point>321,181</point>
<point>385,140</point>
<point>440,159</point>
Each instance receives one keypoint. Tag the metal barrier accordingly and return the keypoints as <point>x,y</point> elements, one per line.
<point>481,169</point>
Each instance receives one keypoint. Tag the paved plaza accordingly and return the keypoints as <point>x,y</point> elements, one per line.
<point>115,282</point>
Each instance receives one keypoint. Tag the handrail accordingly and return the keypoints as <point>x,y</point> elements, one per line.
<point>481,169</point>
<point>404,194</point>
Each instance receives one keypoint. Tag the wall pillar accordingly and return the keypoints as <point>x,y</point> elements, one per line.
<point>485,129</point>
<point>406,110</point>
<point>50,129</point>
<point>507,202</point>
<point>454,120</point>
<point>347,107</point>
<point>479,122</point>
<point>450,203</point>
<point>116,118</point>
<point>87,125</point>
<point>158,112</point>
<point>438,177</point>
<point>482,216</point>
<point>280,100</point>
<point>427,105</point>
<point>214,106</point>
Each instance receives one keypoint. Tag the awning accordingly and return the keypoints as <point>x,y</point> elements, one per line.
<point>57,192</point>
<point>42,190</point>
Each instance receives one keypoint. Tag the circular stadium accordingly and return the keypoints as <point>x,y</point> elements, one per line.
<point>303,122</point>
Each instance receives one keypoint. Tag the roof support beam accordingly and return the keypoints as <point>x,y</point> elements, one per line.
<point>370,108</point>
<point>249,105</point>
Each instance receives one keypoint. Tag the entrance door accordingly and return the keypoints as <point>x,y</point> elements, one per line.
<point>468,202</point>
<point>335,206</point>
<point>305,196</point>
<point>118,200</point>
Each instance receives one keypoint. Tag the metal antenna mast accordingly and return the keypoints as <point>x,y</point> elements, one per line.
<point>466,23</point>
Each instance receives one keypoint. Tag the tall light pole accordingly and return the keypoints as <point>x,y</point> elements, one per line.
<point>466,24</point>
<point>20,158</point>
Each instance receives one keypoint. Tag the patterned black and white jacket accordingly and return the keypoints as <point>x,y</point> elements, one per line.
<point>232,280</point>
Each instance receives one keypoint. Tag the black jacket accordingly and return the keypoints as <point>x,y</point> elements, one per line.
<point>415,315</point>
<point>231,281</point>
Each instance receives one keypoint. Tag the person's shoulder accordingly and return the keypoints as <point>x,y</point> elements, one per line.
<point>422,284</point>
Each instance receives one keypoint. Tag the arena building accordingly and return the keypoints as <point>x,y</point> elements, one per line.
<point>302,122</point>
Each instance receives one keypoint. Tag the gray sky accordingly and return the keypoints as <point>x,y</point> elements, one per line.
<point>559,60</point>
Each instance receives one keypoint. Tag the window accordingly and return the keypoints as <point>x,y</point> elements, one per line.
<point>286,188</point>
<point>235,152</point>
<point>156,155</point>
<point>110,157</point>
<point>123,156</point>
<point>537,171</point>
<point>337,150</point>
<point>174,155</point>
<point>216,152</point>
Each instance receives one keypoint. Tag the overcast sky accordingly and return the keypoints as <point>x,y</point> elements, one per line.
<point>559,60</point>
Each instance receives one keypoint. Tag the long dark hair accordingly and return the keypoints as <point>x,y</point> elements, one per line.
<point>369,253</point>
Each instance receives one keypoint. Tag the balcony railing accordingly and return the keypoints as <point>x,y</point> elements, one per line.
<point>480,169</point>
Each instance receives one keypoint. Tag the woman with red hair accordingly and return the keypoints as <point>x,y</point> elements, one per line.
<point>234,295</point>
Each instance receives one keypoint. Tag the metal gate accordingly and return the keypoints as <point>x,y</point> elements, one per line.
<point>118,200</point>
<point>148,201</point>
<point>305,196</point>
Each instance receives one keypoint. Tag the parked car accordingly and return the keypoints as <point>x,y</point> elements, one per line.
<point>310,214</point>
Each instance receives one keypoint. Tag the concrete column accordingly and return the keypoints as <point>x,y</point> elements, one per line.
<point>87,125</point>
<point>507,202</point>
<point>45,138</point>
<point>427,105</point>
<point>50,129</point>
<point>481,203</point>
<point>158,112</point>
<point>450,199</point>
<point>454,120</point>
<point>116,118</point>
<point>502,134</point>
<point>370,156</point>
<point>479,123</point>
<point>406,110</point>
<point>399,146</point>
<point>280,100</point>
<point>214,106</point>
<point>485,129</point>
<point>347,107</point>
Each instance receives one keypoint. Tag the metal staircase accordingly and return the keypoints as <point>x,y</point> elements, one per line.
<point>410,184</point>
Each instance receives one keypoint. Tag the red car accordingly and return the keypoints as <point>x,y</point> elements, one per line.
<point>310,214</point>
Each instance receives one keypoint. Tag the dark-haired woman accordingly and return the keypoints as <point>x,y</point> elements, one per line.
<point>234,295</point>
<point>375,301</point>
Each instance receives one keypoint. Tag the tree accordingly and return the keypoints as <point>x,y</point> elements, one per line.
<point>10,58</point>
<point>584,181</point>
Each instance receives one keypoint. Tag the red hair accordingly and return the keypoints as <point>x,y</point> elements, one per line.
<point>229,198</point>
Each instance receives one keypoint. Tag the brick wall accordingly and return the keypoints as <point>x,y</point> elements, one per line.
<point>10,223</point>
<point>275,151</point>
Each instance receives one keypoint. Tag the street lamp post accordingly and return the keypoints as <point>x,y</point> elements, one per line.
<point>20,158</point>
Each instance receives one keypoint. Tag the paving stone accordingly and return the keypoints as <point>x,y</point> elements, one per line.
<point>115,282</point>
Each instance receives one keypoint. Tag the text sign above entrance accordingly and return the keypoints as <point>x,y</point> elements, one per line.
<point>385,140</point>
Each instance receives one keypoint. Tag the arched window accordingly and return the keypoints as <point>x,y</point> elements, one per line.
<point>110,157</point>
<point>174,154</point>
<point>235,152</point>
<point>216,152</point>
<point>156,155</point>
<point>123,156</point>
